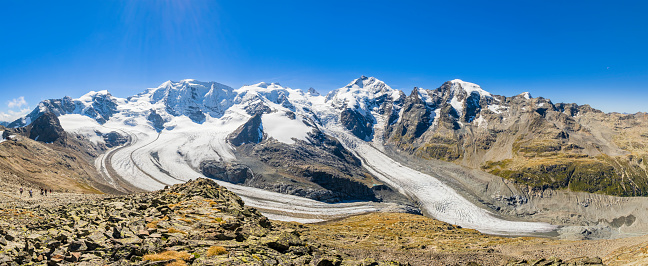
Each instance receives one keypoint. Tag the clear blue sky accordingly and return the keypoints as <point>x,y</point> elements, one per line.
<point>569,51</point>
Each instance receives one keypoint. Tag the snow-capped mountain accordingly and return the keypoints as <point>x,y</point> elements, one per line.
<point>364,103</point>
<point>97,105</point>
<point>192,98</point>
<point>281,148</point>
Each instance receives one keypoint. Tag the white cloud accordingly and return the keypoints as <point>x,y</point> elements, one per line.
<point>17,108</point>
<point>11,115</point>
<point>17,103</point>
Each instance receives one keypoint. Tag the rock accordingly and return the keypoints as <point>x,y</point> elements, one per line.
<point>156,120</point>
<point>57,258</point>
<point>358,124</point>
<point>230,172</point>
<point>199,216</point>
<point>143,233</point>
<point>284,241</point>
<point>250,132</point>
<point>47,128</point>
<point>114,139</point>
<point>77,245</point>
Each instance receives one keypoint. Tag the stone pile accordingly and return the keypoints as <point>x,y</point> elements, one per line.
<point>197,223</point>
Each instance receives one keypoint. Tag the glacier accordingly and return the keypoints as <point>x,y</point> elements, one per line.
<point>198,116</point>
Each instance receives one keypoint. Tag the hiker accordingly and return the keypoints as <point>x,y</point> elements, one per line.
<point>45,192</point>
<point>21,191</point>
<point>30,193</point>
<point>41,191</point>
<point>50,191</point>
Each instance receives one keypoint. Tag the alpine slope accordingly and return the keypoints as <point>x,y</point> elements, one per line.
<point>172,129</point>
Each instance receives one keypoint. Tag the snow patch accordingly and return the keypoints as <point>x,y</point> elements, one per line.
<point>284,129</point>
<point>437,113</point>
<point>457,105</point>
<point>481,122</point>
<point>425,96</point>
<point>83,126</point>
<point>498,109</point>
<point>469,88</point>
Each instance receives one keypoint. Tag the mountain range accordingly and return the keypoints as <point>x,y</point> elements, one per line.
<point>458,153</point>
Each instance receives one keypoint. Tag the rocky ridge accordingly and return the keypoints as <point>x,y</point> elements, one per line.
<point>532,141</point>
<point>201,223</point>
<point>198,223</point>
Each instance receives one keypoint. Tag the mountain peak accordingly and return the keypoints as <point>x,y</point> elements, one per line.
<point>90,96</point>
<point>265,85</point>
<point>313,92</point>
<point>468,87</point>
<point>526,95</point>
<point>370,83</point>
<point>361,92</point>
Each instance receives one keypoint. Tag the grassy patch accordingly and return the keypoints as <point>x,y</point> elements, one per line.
<point>179,257</point>
<point>173,230</point>
<point>216,250</point>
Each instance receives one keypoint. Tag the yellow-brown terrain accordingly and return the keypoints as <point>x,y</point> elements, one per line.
<point>419,240</point>
<point>201,223</point>
<point>32,164</point>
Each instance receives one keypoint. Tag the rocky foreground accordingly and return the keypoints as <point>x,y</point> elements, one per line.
<point>196,223</point>
<point>201,223</point>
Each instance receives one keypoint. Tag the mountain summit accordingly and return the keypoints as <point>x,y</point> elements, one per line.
<point>364,147</point>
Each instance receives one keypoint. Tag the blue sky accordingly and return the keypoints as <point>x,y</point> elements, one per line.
<point>569,51</point>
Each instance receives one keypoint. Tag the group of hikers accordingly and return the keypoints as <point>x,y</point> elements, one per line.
<point>43,192</point>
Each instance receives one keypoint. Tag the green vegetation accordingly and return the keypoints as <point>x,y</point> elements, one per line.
<point>619,176</point>
<point>439,151</point>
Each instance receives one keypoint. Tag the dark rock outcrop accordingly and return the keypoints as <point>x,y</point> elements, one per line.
<point>334,173</point>
<point>416,119</point>
<point>230,172</point>
<point>250,132</point>
<point>313,92</point>
<point>47,128</point>
<point>358,124</point>
<point>114,139</point>
<point>156,120</point>
<point>257,108</point>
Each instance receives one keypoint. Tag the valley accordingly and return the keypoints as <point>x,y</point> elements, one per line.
<point>449,153</point>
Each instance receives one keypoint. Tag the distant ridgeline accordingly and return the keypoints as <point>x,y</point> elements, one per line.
<point>532,141</point>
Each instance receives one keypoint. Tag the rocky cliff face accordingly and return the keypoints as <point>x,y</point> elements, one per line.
<point>231,172</point>
<point>319,168</point>
<point>250,132</point>
<point>156,120</point>
<point>47,128</point>
<point>530,140</point>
